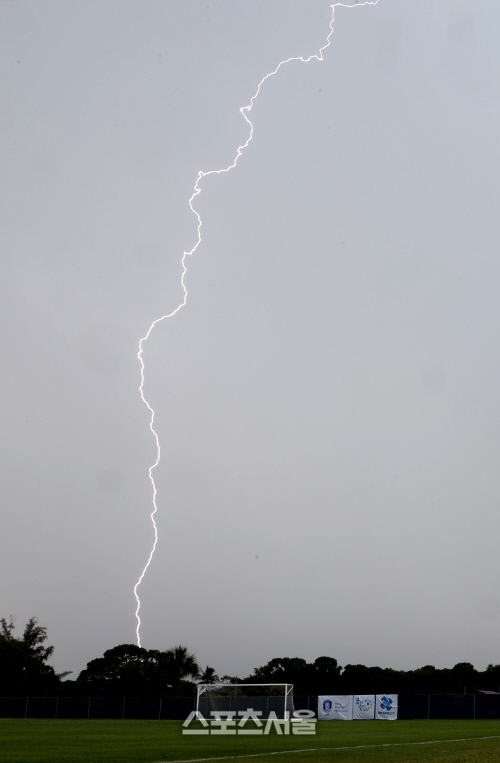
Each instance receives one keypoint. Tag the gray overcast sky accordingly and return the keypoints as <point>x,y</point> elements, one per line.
<point>327,402</point>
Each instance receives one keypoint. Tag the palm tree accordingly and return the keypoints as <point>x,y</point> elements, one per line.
<point>209,676</point>
<point>179,664</point>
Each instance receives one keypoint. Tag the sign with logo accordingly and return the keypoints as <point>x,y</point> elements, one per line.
<point>335,707</point>
<point>386,707</point>
<point>325,708</point>
<point>364,707</point>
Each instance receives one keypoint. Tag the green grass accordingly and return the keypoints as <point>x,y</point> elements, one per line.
<point>53,741</point>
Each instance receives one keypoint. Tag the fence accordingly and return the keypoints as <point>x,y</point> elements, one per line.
<point>441,706</point>
<point>410,706</point>
<point>147,708</point>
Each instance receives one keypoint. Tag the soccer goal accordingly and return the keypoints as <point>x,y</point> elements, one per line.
<point>265,698</point>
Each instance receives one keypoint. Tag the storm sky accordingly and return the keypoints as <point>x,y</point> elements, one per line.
<point>327,402</point>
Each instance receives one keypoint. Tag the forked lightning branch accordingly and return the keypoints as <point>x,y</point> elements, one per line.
<point>245,111</point>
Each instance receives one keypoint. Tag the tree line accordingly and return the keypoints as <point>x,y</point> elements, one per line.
<point>130,670</point>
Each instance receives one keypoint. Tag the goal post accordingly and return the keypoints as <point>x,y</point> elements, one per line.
<point>264,698</point>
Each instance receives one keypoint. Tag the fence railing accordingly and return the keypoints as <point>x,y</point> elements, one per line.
<point>147,708</point>
<point>410,706</point>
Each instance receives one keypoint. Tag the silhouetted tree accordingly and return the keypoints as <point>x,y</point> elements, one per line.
<point>283,670</point>
<point>323,675</point>
<point>209,676</point>
<point>232,680</point>
<point>23,662</point>
<point>490,679</point>
<point>124,669</point>
<point>463,677</point>
<point>128,669</point>
<point>179,665</point>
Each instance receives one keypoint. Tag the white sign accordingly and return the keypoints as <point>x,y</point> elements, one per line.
<point>325,707</point>
<point>386,707</point>
<point>364,707</point>
<point>335,707</point>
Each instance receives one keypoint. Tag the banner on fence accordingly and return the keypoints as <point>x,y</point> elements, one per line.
<point>325,708</point>
<point>363,707</point>
<point>386,707</point>
<point>343,708</point>
<point>335,707</point>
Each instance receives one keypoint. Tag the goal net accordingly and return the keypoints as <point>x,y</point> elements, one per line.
<point>264,698</point>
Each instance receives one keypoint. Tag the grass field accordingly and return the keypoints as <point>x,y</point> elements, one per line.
<point>53,741</point>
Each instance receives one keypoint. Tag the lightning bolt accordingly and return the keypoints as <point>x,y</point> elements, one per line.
<point>244,110</point>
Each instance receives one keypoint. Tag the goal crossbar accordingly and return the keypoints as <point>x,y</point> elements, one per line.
<point>281,696</point>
